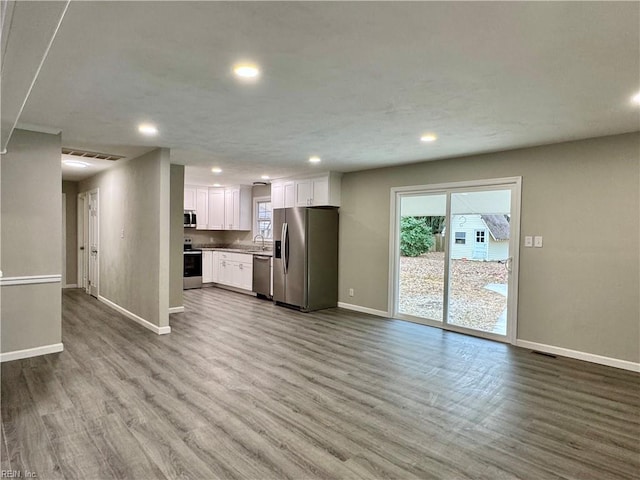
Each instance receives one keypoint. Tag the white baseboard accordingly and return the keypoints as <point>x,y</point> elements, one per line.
<point>176,310</point>
<point>31,352</point>
<point>145,323</point>
<point>358,308</point>
<point>71,285</point>
<point>587,357</point>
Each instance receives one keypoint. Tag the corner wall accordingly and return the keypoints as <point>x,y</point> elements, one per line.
<point>31,248</point>
<point>176,266</point>
<point>580,291</point>
<point>134,201</point>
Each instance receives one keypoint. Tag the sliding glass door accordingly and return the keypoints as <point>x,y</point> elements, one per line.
<point>454,250</point>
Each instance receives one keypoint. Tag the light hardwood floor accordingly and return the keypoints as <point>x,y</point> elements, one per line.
<point>244,389</point>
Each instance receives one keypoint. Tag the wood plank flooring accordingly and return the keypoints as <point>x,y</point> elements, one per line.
<point>244,389</point>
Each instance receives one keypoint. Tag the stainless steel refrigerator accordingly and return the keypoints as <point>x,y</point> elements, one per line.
<point>305,260</point>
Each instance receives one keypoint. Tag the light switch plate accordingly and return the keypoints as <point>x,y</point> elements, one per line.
<point>528,241</point>
<point>537,241</point>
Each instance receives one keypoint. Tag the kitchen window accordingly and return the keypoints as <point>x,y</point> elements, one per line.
<point>262,215</point>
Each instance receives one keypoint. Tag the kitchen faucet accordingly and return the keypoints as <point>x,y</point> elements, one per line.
<point>254,240</point>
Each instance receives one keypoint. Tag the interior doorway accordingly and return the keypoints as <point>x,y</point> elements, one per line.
<point>454,256</point>
<point>89,241</point>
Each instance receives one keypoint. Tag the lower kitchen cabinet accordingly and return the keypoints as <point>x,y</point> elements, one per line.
<point>235,270</point>
<point>210,266</point>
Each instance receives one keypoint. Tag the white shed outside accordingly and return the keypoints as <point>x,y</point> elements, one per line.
<point>479,237</point>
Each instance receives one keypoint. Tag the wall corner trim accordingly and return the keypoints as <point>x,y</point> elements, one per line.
<point>358,308</point>
<point>145,323</point>
<point>31,352</point>
<point>578,355</point>
<point>176,309</point>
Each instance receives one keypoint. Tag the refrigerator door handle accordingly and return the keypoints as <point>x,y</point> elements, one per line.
<point>285,247</point>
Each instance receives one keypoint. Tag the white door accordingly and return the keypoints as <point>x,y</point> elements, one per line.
<point>64,240</point>
<point>82,242</point>
<point>94,243</point>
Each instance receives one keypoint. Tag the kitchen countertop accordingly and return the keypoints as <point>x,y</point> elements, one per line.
<point>257,251</point>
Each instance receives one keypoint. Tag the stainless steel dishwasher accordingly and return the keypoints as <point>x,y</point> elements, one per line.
<point>262,275</point>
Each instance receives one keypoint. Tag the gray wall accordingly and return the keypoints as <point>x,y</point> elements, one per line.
<point>71,247</point>
<point>134,270</point>
<point>177,237</point>
<point>578,292</point>
<point>31,216</point>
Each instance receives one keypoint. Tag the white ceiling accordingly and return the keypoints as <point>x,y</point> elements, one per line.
<point>355,83</point>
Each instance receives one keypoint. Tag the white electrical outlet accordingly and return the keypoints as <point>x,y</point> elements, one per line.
<point>537,241</point>
<point>122,233</point>
<point>528,241</point>
<point>351,292</point>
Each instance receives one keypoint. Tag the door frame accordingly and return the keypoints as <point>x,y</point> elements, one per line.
<point>81,244</point>
<point>96,280</point>
<point>64,241</point>
<point>514,244</point>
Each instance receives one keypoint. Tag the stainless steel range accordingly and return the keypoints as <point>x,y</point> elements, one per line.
<point>192,277</point>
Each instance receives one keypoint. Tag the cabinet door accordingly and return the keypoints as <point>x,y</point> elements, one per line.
<point>303,193</point>
<point>215,262</point>
<point>320,191</point>
<point>189,198</point>
<point>277,195</point>
<point>289,194</point>
<point>216,209</point>
<point>229,209</point>
<point>224,272</point>
<point>246,276</point>
<point>207,266</point>
<point>202,208</point>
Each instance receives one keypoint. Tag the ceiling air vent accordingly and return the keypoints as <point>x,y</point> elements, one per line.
<point>85,154</point>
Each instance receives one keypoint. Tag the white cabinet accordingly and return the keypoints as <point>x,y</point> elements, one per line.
<point>220,209</point>
<point>238,208</point>
<point>210,266</point>
<point>189,198</point>
<point>312,191</point>
<point>277,195</point>
<point>216,209</point>
<point>207,266</point>
<point>236,270</point>
<point>320,190</point>
<point>202,208</point>
<point>283,194</point>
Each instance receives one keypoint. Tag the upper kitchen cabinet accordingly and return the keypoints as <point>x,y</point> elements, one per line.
<point>283,194</point>
<point>220,209</point>
<point>189,198</point>
<point>202,208</point>
<point>320,190</point>
<point>216,209</point>
<point>237,208</point>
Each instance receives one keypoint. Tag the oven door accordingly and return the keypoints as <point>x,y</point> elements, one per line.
<point>192,277</point>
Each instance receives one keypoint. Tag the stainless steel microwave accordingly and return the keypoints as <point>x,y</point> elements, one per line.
<point>189,219</point>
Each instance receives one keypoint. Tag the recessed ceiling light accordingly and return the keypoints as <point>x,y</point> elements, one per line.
<point>265,177</point>
<point>636,98</point>
<point>428,137</point>
<point>217,185</point>
<point>315,159</point>
<point>216,170</point>
<point>75,164</point>
<point>246,70</point>
<point>147,129</point>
